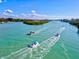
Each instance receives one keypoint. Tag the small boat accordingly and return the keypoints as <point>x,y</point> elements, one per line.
<point>33,45</point>
<point>60,31</point>
<point>57,34</point>
<point>30,33</point>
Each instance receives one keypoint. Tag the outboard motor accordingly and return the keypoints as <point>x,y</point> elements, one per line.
<point>57,34</point>
<point>29,46</point>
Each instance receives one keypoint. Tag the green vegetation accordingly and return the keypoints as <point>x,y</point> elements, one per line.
<point>35,22</point>
<point>10,20</point>
<point>25,21</point>
<point>74,22</point>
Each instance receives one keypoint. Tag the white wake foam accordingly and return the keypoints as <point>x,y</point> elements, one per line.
<point>35,53</point>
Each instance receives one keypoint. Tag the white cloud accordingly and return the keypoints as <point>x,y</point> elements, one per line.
<point>1,1</point>
<point>33,12</point>
<point>33,15</point>
<point>7,12</point>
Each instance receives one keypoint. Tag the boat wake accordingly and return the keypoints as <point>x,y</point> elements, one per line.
<point>65,50</point>
<point>35,53</point>
<point>37,31</point>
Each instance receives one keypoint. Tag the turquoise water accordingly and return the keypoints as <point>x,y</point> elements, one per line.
<point>13,37</point>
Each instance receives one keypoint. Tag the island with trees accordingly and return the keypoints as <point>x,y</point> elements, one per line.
<point>25,21</point>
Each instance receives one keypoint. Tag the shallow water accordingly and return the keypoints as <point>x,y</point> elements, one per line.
<point>13,37</point>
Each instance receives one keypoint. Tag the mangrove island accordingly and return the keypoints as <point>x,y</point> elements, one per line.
<point>25,21</point>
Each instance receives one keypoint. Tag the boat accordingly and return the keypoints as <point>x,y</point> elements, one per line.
<point>30,33</point>
<point>33,45</point>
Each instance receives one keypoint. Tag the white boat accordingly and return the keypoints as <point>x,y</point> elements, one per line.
<point>33,45</point>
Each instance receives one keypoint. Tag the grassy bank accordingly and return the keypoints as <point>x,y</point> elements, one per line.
<point>35,22</point>
<point>25,21</point>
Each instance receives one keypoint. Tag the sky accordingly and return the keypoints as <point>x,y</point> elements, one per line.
<point>45,8</point>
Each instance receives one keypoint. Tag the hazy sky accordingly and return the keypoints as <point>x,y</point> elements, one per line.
<point>47,7</point>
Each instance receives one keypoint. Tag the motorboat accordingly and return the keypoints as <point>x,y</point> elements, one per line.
<point>33,45</point>
<point>30,33</point>
<point>60,31</point>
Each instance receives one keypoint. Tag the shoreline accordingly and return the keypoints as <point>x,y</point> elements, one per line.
<point>25,21</point>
